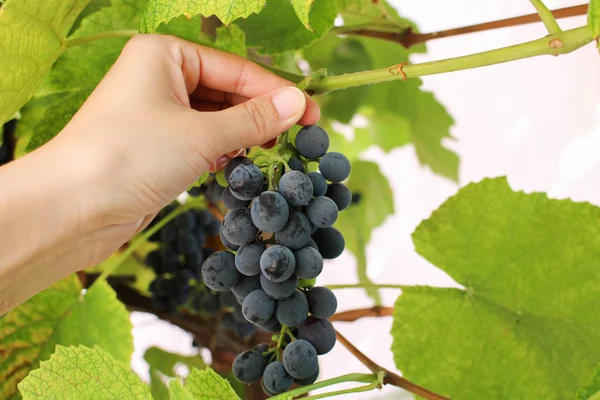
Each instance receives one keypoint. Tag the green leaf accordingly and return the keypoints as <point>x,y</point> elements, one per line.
<point>207,384</point>
<point>159,11</point>
<point>92,7</point>
<point>83,373</point>
<point>164,361</point>
<point>78,72</point>
<point>61,315</point>
<point>591,389</point>
<point>159,390</point>
<point>33,36</point>
<point>525,326</point>
<point>178,392</point>
<point>277,29</point>
<point>232,39</point>
<point>594,19</point>
<point>302,9</point>
<point>358,221</point>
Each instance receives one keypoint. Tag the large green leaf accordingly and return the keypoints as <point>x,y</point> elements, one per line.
<point>358,221</point>
<point>594,19</point>
<point>178,392</point>
<point>83,373</point>
<point>302,8</point>
<point>208,385</point>
<point>33,36</point>
<point>277,29</point>
<point>232,39</point>
<point>160,11</point>
<point>80,69</point>
<point>526,324</point>
<point>591,389</point>
<point>164,361</point>
<point>61,315</point>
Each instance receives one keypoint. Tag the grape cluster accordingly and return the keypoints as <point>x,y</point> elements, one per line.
<point>281,234</point>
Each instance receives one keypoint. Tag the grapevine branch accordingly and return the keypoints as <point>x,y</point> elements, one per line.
<point>353,315</point>
<point>408,38</point>
<point>390,378</point>
<point>546,16</point>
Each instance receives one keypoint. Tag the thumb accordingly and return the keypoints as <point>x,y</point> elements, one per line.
<point>257,120</point>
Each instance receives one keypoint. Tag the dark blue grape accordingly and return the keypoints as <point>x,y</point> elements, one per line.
<point>247,259</point>
<point>271,325</point>
<point>330,241</point>
<point>168,234</point>
<point>292,311</point>
<point>264,388</point>
<point>308,381</point>
<point>340,194</point>
<point>277,263</point>
<point>245,329</point>
<point>335,167</point>
<point>312,243</point>
<point>204,218</point>
<point>261,348</point>
<point>160,286</point>
<point>245,286</point>
<point>238,227</point>
<point>169,258</point>
<point>214,192</point>
<point>187,244</point>
<point>296,188</point>
<point>281,290</point>
<point>153,260</point>
<point>269,211</point>
<point>322,212</point>
<point>309,263</point>
<point>318,332</point>
<point>232,202</point>
<point>296,232</point>
<point>246,181</point>
<point>258,307</point>
<point>193,262</point>
<point>185,222</point>
<point>227,243</point>
<point>276,379</point>
<point>228,299</point>
<point>219,271</point>
<point>248,366</point>
<point>296,165</point>
<point>319,183</point>
<point>300,359</point>
<point>234,163</point>
<point>210,303</point>
<point>312,142</point>
<point>322,303</point>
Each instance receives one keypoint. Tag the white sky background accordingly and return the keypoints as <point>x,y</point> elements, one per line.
<point>536,121</point>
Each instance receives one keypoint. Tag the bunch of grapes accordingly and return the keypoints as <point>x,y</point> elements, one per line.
<point>281,236</point>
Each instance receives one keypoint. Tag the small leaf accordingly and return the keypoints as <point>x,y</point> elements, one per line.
<point>529,266</point>
<point>358,221</point>
<point>232,39</point>
<point>83,373</point>
<point>591,389</point>
<point>277,28</point>
<point>160,11</point>
<point>302,8</point>
<point>164,361</point>
<point>61,315</point>
<point>208,385</point>
<point>33,36</point>
<point>178,392</point>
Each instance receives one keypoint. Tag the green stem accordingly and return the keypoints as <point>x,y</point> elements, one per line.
<point>360,378</point>
<point>365,388</point>
<point>366,286</point>
<point>546,17</point>
<point>76,41</point>
<point>560,43</point>
<point>144,237</point>
<point>596,396</point>
<point>379,27</point>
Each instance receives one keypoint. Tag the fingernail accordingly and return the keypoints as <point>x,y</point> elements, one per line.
<point>288,101</point>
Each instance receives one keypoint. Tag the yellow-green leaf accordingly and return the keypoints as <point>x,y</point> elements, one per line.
<point>302,8</point>
<point>83,373</point>
<point>208,385</point>
<point>178,392</point>
<point>63,315</point>
<point>160,11</point>
<point>591,389</point>
<point>232,39</point>
<point>164,361</point>
<point>33,37</point>
<point>594,20</point>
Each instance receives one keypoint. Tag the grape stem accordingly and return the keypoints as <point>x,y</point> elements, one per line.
<point>546,17</point>
<point>360,378</point>
<point>77,41</point>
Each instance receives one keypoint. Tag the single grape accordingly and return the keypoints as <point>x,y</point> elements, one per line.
<point>296,232</point>
<point>322,212</point>
<point>309,263</point>
<point>296,165</point>
<point>292,311</point>
<point>340,194</point>
<point>261,348</point>
<point>204,218</point>
<point>227,243</point>
<point>300,359</point>
<point>247,259</point>
<point>212,228</point>
<point>264,388</point>
<point>248,366</point>
<point>238,227</point>
<point>246,285</point>
<point>296,188</point>
<point>319,183</point>
<point>244,329</point>
<point>234,163</point>
<point>330,241</point>
<point>270,212</point>
<point>312,142</point>
<point>168,234</point>
<point>258,307</point>
<point>281,290</point>
<point>228,300</point>
<point>271,326</point>
<point>312,243</point>
<point>246,181</point>
<point>219,271</point>
<point>153,260</point>
<point>169,258</point>
<point>322,303</point>
<point>276,379</point>
<point>185,222</point>
<point>318,332</point>
<point>308,381</point>
<point>237,313</point>
<point>232,202</point>
<point>277,263</point>
<point>210,303</point>
<point>214,192</point>
<point>187,244</point>
<point>334,166</point>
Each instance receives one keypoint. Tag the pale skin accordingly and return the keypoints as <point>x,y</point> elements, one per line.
<point>166,112</point>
